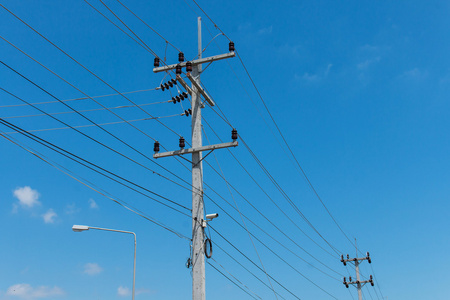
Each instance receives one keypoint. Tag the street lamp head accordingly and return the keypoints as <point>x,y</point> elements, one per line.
<point>80,228</point>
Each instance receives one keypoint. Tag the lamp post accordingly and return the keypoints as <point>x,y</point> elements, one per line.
<point>80,228</point>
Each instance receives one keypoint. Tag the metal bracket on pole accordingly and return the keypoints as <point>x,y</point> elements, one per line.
<point>184,84</point>
<point>198,149</point>
<point>200,89</point>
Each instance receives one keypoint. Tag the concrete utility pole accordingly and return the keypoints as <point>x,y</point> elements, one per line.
<point>359,284</point>
<point>196,91</point>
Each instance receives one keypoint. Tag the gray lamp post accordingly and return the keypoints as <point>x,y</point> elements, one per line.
<point>80,228</point>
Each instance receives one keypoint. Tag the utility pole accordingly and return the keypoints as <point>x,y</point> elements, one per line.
<point>193,71</point>
<point>356,261</point>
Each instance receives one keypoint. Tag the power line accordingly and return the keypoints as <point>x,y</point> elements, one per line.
<point>232,281</point>
<point>81,65</point>
<point>233,277</point>
<point>146,24</point>
<point>92,99</point>
<point>84,98</point>
<point>278,129</point>
<point>85,163</point>
<point>246,229</point>
<point>235,260</point>
<point>104,194</point>
<point>271,199</point>
<point>270,222</point>
<point>100,143</point>
<point>253,262</point>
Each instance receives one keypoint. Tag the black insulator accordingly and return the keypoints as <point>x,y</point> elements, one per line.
<point>170,83</point>
<point>185,94</point>
<point>156,62</point>
<point>350,278</point>
<point>178,98</point>
<point>231,46</point>
<point>174,100</point>
<point>234,134</point>
<point>173,81</point>
<point>181,97</point>
<point>181,57</point>
<point>156,147</point>
<point>182,142</point>
<point>186,113</point>
<point>190,111</point>
<point>188,66</point>
<point>166,85</point>
<point>178,70</point>
<point>162,87</point>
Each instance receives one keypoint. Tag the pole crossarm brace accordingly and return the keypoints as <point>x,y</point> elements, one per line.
<point>196,150</point>
<point>184,84</point>
<point>200,89</point>
<point>195,62</point>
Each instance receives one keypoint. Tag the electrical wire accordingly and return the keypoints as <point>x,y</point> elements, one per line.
<point>167,42</point>
<point>274,225</point>
<point>234,277</point>
<point>242,266</point>
<point>256,265</point>
<point>104,194</point>
<point>85,163</point>
<point>82,98</point>
<point>90,98</point>
<point>81,65</point>
<point>278,129</point>
<point>100,143</point>
<point>232,281</point>
<point>271,199</point>
<point>246,229</point>
<point>88,110</point>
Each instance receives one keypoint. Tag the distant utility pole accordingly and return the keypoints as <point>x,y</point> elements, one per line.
<point>356,261</point>
<point>196,91</point>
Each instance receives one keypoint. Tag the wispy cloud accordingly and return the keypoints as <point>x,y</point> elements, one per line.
<point>315,77</point>
<point>123,291</point>
<point>93,204</point>
<point>27,197</point>
<point>26,291</point>
<point>364,65</point>
<point>414,74</point>
<point>265,30</point>
<point>71,209</point>
<point>50,216</point>
<point>92,269</point>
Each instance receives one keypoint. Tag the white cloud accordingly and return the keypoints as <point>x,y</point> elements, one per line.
<point>71,209</point>
<point>49,216</point>
<point>123,291</point>
<point>315,77</point>
<point>266,30</point>
<point>144,291</point>
<point>27,196</point>
<point>367,63</point>
<point>26,291</point>
<point>414,74</point>
<point>93,204</point>
<point>92,269</point>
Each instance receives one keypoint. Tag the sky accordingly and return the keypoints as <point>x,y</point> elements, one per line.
<point>342,113</point>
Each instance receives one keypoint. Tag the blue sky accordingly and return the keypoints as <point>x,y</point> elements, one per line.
<point>359,90</point>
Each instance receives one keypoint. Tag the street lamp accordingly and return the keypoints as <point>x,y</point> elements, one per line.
<point>80,228</point>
